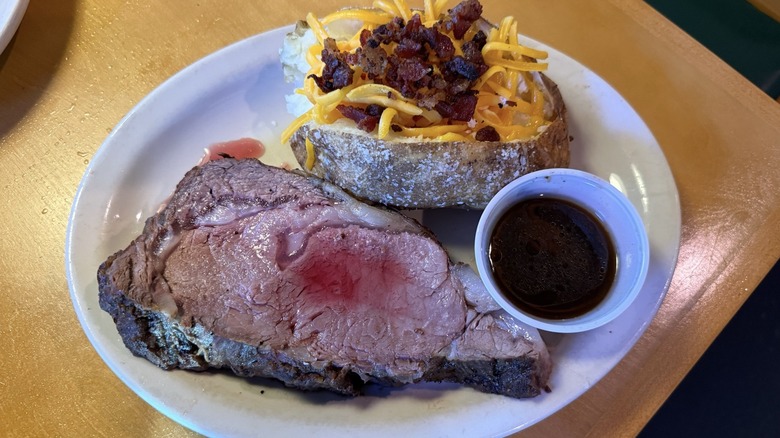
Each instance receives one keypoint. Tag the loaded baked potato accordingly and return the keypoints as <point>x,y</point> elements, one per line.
<point>421,109</point>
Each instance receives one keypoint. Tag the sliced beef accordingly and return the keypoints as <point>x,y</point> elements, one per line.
<point>270,273</point>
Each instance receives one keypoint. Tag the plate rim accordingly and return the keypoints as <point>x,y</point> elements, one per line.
<point>12,21</point>
<point>161,89</point>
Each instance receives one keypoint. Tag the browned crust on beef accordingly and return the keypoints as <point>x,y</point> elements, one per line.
<point>169,345</point>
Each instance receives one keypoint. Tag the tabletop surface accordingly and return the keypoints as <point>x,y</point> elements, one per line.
<point>75,68</point>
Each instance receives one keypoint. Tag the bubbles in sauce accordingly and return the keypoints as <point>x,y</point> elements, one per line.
<point>552,258</point>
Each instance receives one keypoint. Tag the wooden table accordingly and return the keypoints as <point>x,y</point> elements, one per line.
<point>76,67</point>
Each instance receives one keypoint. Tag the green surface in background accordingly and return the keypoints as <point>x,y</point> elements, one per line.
<point>738,33</point>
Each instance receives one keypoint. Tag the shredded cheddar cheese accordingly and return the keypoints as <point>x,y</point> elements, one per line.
<point>317,28</point>
<point>515,49</point>
<point>508,98</point>
<point>385,122</point>
<point>429,11</point>
<point>403,9</point>
<point>451,136</point>
<point>364,15</point>
<point>433,131</point>
<point>309,155</point>
<point>400,105</point>
<point>297,123</point>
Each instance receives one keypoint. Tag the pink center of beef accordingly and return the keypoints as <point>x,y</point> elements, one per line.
<point>321,289</point>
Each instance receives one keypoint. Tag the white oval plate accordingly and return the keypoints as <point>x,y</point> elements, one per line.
<point>238,92</point>
<point>11,13</point>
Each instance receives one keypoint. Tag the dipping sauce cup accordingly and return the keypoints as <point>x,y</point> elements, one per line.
<point>562,250</point>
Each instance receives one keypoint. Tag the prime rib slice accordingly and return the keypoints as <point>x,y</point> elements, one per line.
<point>270,273</point>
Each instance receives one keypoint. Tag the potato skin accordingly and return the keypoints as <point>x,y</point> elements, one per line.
<point>431,174</point>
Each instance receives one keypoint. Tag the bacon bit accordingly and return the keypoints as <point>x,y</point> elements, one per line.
<point>366,119</point>
<point>440,43</point>
<point>460,66</point>
<point>429,101</point>
<point>462,16</point>
<point>374,110</point>
<point>460,107</point>
<point>464,105</point>
<point>487,133</point>
<point>365,34</point>
<point>412,69</point>
<point>445,109</point>
<point>337,73</point>
<point>389,32</point>
<point>472,50</point>
<point>373,60</point>
<point>407,48</point>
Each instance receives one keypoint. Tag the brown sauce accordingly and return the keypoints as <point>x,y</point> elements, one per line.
<point>552,258</point>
